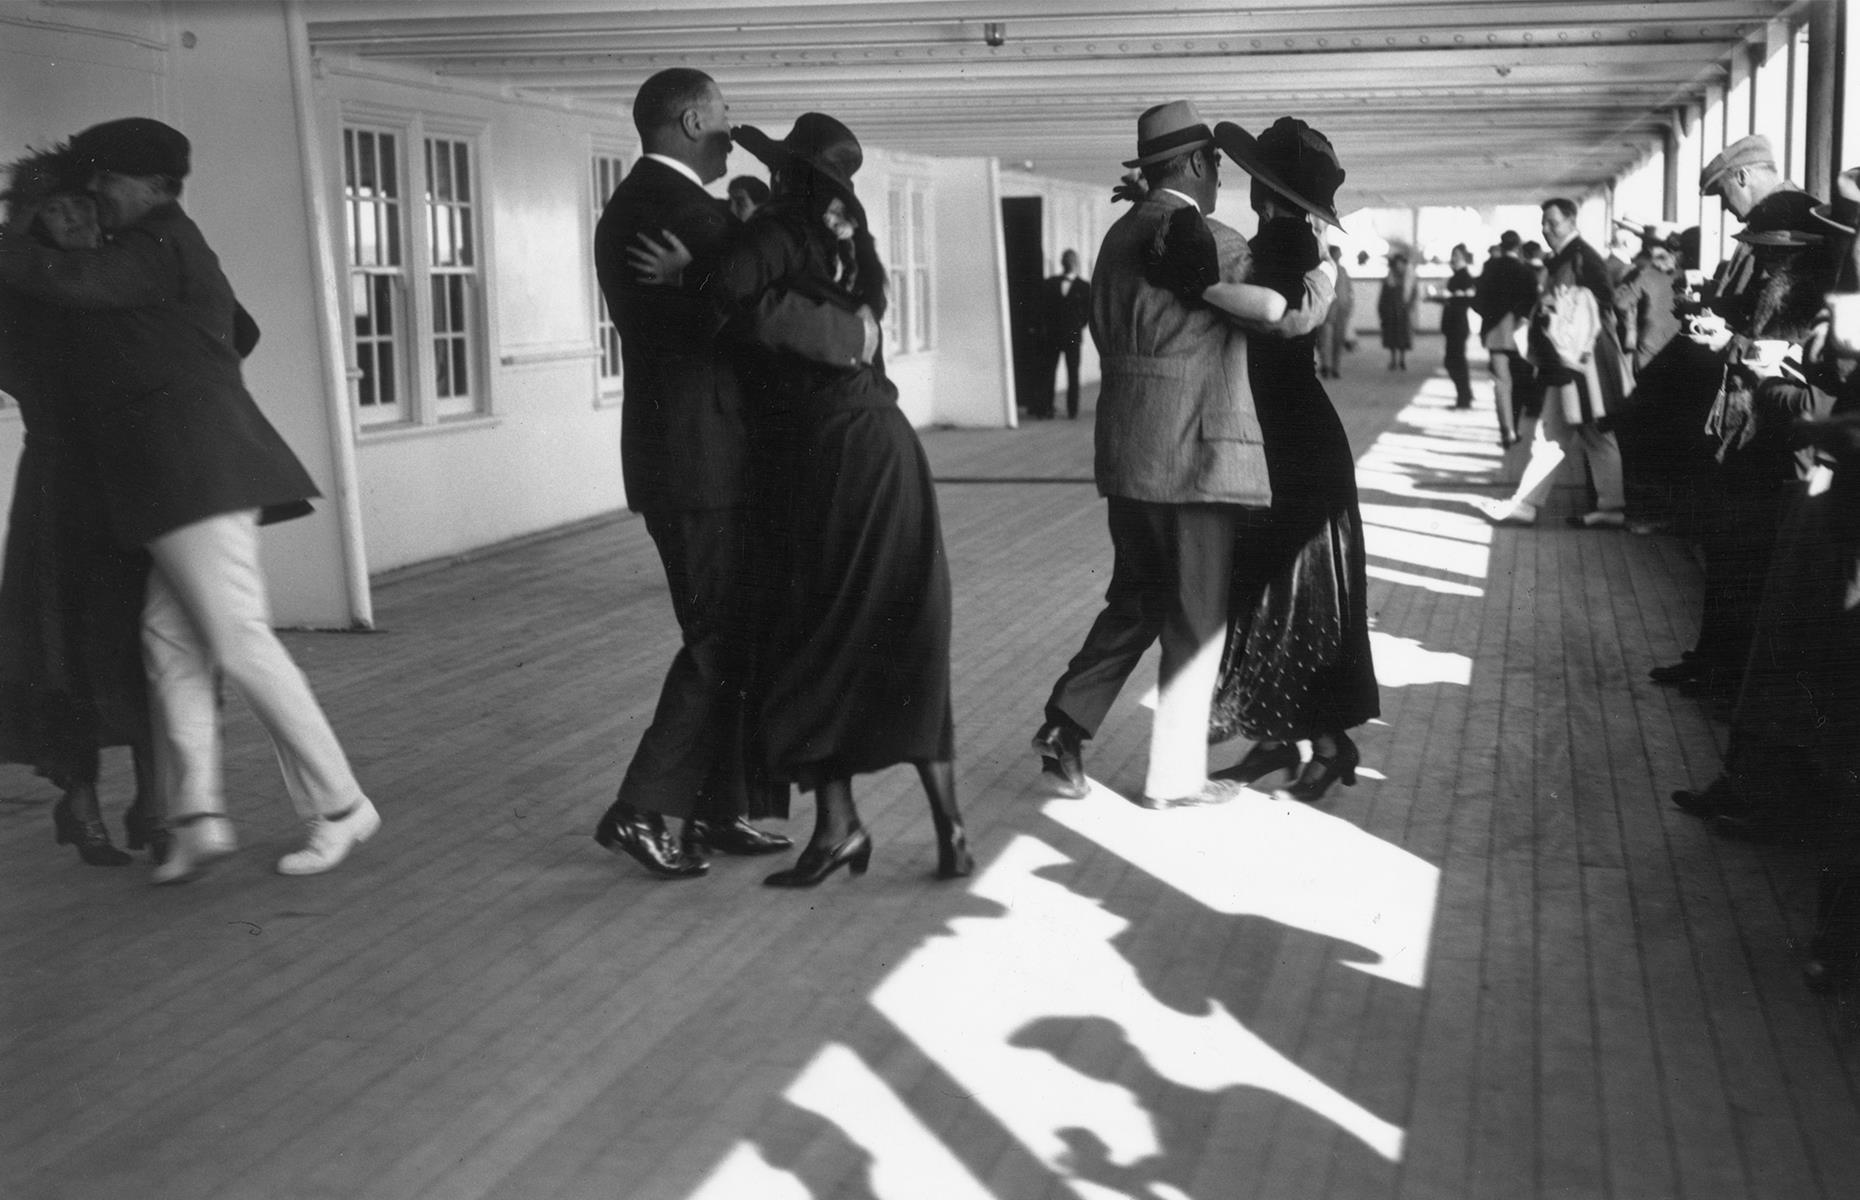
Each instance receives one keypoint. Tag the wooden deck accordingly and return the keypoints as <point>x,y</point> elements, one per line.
<point>1502,966</point>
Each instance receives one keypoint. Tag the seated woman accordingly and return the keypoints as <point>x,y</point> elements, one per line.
<point>855,673</point>
<point>71,679</point>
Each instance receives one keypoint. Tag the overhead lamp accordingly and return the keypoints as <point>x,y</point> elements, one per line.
<point>994,33</point>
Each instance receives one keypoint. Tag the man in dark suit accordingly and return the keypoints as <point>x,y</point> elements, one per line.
<point>686,456</point>
<point>1067,309</point>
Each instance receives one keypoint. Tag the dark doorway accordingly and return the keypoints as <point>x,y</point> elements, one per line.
<point>1021,227</point>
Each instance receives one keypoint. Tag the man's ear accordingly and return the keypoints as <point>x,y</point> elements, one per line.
<point>691,122</point>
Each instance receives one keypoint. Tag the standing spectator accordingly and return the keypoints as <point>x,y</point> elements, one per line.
<point>1395,309</point>
<point>1643,299</point>
<point>1456,299</point>
<point>1580,385</point>
<point>1336,336</point>
<point>191,469</point>
<point>747,194</point>
<point>1067,298</point>
<point>1504,297</point>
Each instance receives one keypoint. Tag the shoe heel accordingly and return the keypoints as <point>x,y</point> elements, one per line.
<point>860,861</point>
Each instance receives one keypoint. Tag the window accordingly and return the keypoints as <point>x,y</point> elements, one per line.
<point>609,169</point>
<point>377,275</point>
<point>416,303</point>
<point>907,318</point>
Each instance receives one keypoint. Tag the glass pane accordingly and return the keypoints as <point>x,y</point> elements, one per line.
<point>460,376</point>
<point>441,181</point>
<point>439,304</point>
<point>463,217</point>
<point>365,161</point>
<point>348,159</point>
<point>388,378</point>
<point>390,165</point>
<point>390,217</point>
<point>462,167</point>
<point>385,320</point>
<point>365,386</point>
<point>367,244</point>
<point>918,257</point>
<point>358,300</point>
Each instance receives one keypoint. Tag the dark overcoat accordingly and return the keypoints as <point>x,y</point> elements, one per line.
<point>177,438</point>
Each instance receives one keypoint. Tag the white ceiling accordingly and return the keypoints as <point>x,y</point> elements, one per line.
<point>1427,101</point>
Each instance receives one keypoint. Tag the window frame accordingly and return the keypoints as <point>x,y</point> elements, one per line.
<point>608,387</point>
<point>910,317</point>
<point>422,406</point>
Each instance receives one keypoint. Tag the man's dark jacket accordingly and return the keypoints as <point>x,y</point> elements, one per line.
<point>684,441</point>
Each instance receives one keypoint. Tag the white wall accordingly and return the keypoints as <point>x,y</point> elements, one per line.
<point>546,453</point>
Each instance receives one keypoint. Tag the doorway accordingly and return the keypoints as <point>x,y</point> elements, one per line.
<point>1022,240</point>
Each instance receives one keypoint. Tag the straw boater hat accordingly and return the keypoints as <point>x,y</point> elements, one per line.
<point>1292,159</point>
<point>819,141</point>
<point>1168,130</point>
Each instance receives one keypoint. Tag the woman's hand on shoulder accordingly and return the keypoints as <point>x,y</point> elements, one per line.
<point>1183,257</point>
<point>659,262</point>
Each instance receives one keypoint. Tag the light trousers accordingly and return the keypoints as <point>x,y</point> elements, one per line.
<point>1194,633</point>
<point>1556,439</point>
<point>207,614</point>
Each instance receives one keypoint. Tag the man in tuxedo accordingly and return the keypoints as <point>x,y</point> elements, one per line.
<point>686,457</point>
<point>1067,310</point>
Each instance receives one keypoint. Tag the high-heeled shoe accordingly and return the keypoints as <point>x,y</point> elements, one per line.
<point>953,860</point>
<point>1323,771</point>
<point>89,836</point>
<point>815,864</point>
<point>198,841</point>
<point>1262,760</point>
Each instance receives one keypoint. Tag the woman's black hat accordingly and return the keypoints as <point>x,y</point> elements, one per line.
<point>1292,159</point>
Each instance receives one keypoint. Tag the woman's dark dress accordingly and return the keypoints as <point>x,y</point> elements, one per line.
<point>71,677</point>
<point>856,673</point>
<point>1395,312</point>
<point>1297,661</point>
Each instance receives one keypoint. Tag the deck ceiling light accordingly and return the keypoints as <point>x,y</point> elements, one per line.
<point>994,33</point>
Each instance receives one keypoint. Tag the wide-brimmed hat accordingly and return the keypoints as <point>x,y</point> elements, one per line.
<point>821,142</point>
<point>1168,130</point>
<point>133,146</point>
<point>1292,159</point>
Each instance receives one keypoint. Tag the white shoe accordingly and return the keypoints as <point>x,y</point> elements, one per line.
<point>1601,518</point>
<point>331,839</point>
<point>1510,512</point>
<point>195,843</point>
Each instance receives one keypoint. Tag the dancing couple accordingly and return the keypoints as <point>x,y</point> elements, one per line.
<point>1228,478</point>
<point>790,500</point>
<point>134,534</point>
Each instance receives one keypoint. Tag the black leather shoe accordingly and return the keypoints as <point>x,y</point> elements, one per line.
<point>1062,759</point>
<point>816,863</point>
<point>1262,760</point>
<point>643,837</point>
<point>1323,771</point>
<point>731,837</point>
